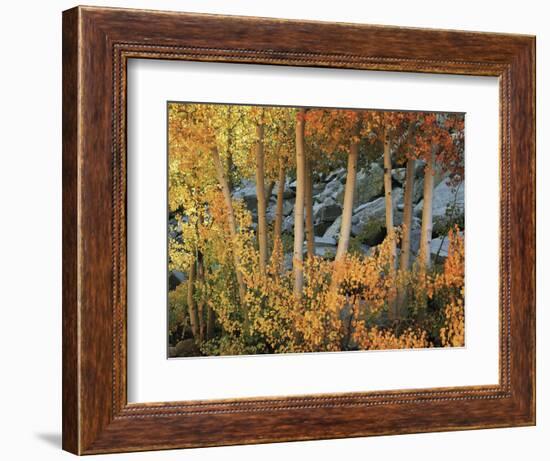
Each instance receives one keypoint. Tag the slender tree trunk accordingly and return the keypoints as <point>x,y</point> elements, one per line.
<point>310,234</point>
<point>260,195</point>
<point>407,215</point>
<point>349,192</point>
<point>388,191</point>
<point>278,225</point>
<point>268,193</point>
<point>232,227</point>
<point>347,211</point>
<point>298,256</point>
<point>404,262</point>
<point>230,171</point>
<point>277,228</point>
<point>393,305</point>
<point>229,174</point>
<point>427,214</point>
<point>191,306</point>
<point>201,303</point>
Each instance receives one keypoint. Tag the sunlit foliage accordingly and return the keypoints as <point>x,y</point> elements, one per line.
<point>230,304</point>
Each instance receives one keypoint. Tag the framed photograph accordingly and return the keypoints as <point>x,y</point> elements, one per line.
<point>282,230</point>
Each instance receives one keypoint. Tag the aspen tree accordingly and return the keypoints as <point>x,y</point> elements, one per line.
<point>349,192</point>
<point>308,201</point>
<point>298,256</point>
<point>261,195</point>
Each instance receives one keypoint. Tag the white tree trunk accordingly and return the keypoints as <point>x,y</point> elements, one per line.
<point>349,192</point>
<point>407,216</point>
<point>298,256</point>
<point>427,214</point>
<point>404,262</point>
<point>388,192</point>
<point>191,305</point>
<point>277,228</point>
<point>308,200</point>
<point>393,307</point>
<point>260,195</point>
<point>201,303</point>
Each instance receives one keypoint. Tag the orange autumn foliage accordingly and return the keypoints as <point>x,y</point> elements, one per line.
<point>451,281</point>
<point>375,338</point>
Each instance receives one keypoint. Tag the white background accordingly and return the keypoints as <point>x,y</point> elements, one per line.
<point>153,378</point>
<point>30,229</point>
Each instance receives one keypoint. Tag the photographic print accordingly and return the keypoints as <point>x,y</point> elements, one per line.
<point>311,229</point>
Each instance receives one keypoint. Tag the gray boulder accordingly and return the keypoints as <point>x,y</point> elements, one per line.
<point>418,190</point>
<point>398,175</point>
<point>270,213</point>
<point>369,185</point>
<point>326,252</point>
<point>333,231</point>
<point>288,192</point>
<point>175,228</point>
<point>325,246</point>
<point>327,211</point>
<point>318,205</point>
<point>419,168</point>
<point>332,190</point>
<point>321,227</point>
<point>287,261</point>
<point>369,220</point>
<point>445,197</point>
<point>317,188</point>
<point>247,192</point>
<point>416,226</point>
<point>288,207</point>
<point>325,241</point>
<point>338,174</point>
<point>175,278</point>
<point>288,224</point>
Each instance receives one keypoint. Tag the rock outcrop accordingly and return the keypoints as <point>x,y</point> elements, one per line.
<point>369,213</point>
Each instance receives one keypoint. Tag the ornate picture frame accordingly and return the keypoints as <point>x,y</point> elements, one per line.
<point>97,44</point>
